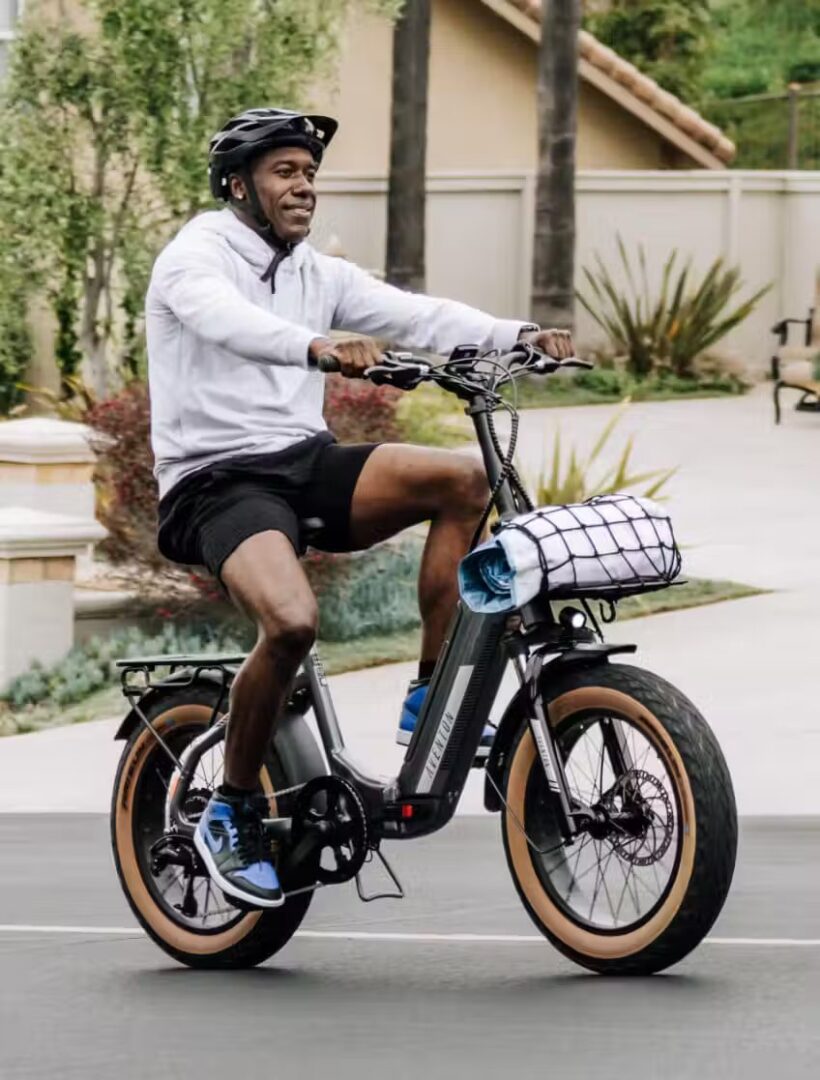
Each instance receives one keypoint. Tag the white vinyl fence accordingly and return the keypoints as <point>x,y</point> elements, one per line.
<point>479,234</point>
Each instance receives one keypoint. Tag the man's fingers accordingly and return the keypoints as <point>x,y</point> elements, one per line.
<point>357,355</point>
<point>557,343</point>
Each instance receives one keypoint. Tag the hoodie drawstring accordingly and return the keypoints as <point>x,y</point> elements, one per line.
<point>273,266</point>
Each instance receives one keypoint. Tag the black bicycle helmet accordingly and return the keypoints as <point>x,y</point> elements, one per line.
<point>245,136</point>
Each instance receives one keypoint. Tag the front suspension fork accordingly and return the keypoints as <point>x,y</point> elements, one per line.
<point>572,818</point>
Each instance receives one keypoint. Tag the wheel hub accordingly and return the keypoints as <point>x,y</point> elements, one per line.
<point>636,817</point>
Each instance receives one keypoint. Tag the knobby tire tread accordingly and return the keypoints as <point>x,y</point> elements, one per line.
<point>715,815</point>
<point>276,926</point>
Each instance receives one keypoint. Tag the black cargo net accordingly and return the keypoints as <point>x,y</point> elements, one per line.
<point>606,548</point>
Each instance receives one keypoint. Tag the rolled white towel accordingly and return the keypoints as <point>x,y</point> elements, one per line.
<point>610,543</point>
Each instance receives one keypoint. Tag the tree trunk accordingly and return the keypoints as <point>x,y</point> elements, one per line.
<point>553,289</point>
<point>408,148</point>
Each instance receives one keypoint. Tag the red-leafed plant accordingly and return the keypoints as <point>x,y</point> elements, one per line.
<point>124,478</point>
<point>127,501</point>
<point>357,411</point>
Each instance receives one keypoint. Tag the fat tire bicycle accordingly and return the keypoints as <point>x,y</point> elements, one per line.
<point>618,817</point>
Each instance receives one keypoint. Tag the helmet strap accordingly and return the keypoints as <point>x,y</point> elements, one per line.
<point>251,205</point>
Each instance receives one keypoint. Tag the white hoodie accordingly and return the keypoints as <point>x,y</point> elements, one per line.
<point>227,357</point>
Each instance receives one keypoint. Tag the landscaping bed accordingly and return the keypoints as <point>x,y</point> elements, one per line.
<point>608,386</point>
<point>89,672</point>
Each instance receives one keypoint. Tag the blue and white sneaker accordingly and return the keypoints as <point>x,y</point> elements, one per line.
<point>230,840</point>
<point>416,693</point>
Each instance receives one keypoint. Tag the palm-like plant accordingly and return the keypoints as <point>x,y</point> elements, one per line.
<point>574,483</point>
<point>669,330</point>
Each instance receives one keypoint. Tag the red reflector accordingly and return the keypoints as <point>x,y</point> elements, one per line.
<point>407,810</point>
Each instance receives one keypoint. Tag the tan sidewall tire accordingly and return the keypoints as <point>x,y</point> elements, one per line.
<point>165,928</point>
<point>585,942</point>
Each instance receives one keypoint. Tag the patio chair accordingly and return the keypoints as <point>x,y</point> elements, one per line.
<point>797,367</point>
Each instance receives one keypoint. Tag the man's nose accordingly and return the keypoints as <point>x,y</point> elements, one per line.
<point>304,185</point>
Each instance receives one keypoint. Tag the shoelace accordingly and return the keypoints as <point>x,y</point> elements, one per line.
<point>248,836</point>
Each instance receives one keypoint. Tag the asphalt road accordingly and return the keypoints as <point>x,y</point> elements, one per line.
<point>86,1005</point>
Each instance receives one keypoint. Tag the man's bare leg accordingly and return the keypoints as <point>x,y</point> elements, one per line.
<point>266,581</point>
<point>402,485</point>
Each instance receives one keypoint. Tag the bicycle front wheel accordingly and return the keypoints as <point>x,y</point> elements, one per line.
<point>638,890</point>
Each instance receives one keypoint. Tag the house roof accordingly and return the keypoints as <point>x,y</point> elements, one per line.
<point>636,92</point>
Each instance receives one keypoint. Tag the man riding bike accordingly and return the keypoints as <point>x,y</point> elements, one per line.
<point>238,306</point>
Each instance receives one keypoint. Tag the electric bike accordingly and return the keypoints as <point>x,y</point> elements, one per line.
<point>618,817</point>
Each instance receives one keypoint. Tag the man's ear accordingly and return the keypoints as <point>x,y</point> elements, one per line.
<point>237,188</point>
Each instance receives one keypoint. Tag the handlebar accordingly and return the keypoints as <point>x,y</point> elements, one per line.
<point>327,363</point>
<point>406,371</point>
<point>477,379</point>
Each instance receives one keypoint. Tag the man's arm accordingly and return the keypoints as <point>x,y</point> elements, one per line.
<point>368,306</point>
<point>197,287</point>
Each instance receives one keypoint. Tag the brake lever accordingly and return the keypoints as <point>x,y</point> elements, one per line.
<point>547,364</point>
<point>402,376</point>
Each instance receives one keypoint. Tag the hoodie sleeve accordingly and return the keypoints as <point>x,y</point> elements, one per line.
<point>195,282</point>
<point>366,305</point>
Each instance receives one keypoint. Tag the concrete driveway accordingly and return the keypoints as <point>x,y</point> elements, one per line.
<point>746,503</point>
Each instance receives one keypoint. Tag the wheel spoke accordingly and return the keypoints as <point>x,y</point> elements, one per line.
<point>574,879</point>
<point>643,844</point>
<point>170,888</point>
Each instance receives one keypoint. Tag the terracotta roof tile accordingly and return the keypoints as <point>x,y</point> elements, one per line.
<point>645,89</point>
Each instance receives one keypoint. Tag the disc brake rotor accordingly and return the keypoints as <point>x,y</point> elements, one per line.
<point>329,813</point>
<point>644,797</point>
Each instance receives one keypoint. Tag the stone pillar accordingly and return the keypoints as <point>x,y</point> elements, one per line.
<point>47,464</point>
<point>38,552</point>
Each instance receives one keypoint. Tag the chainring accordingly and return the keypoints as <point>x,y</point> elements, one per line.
<point>330,811</point>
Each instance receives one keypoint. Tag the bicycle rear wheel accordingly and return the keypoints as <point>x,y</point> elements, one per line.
<point>186,915</point>
<point>638,891</point>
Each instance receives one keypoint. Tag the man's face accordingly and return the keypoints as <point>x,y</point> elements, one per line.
<point>284,179</point>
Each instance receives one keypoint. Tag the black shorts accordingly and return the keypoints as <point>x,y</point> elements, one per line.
<point>208,514</point>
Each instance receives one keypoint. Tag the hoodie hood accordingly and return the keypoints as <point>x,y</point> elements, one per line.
<point>242,239</point>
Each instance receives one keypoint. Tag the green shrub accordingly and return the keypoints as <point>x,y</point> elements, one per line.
<point>805,65</point>
<point>669,330</point>
<point>608,382</point>
<point>369,592</point>
<point>90,666</point>
<point>15,345</point>
<point>429,416</point>
<point>372,592</point>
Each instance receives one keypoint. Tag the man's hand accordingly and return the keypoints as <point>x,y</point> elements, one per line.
<point>556,343</point>
<point>355,355</point>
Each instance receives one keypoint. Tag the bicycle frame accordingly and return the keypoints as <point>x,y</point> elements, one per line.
<point>464,685</point>
<point>468,673</point>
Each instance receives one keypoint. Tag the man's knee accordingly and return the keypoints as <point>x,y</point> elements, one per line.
<point>288,632</point>
<point>468,489</point>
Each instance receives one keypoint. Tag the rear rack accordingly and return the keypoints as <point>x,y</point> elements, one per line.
<point>136,679</point>
<point>136,671</point>
<point>150,663</point>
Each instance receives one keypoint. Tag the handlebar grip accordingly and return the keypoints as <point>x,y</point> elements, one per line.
<point>328,363</point>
